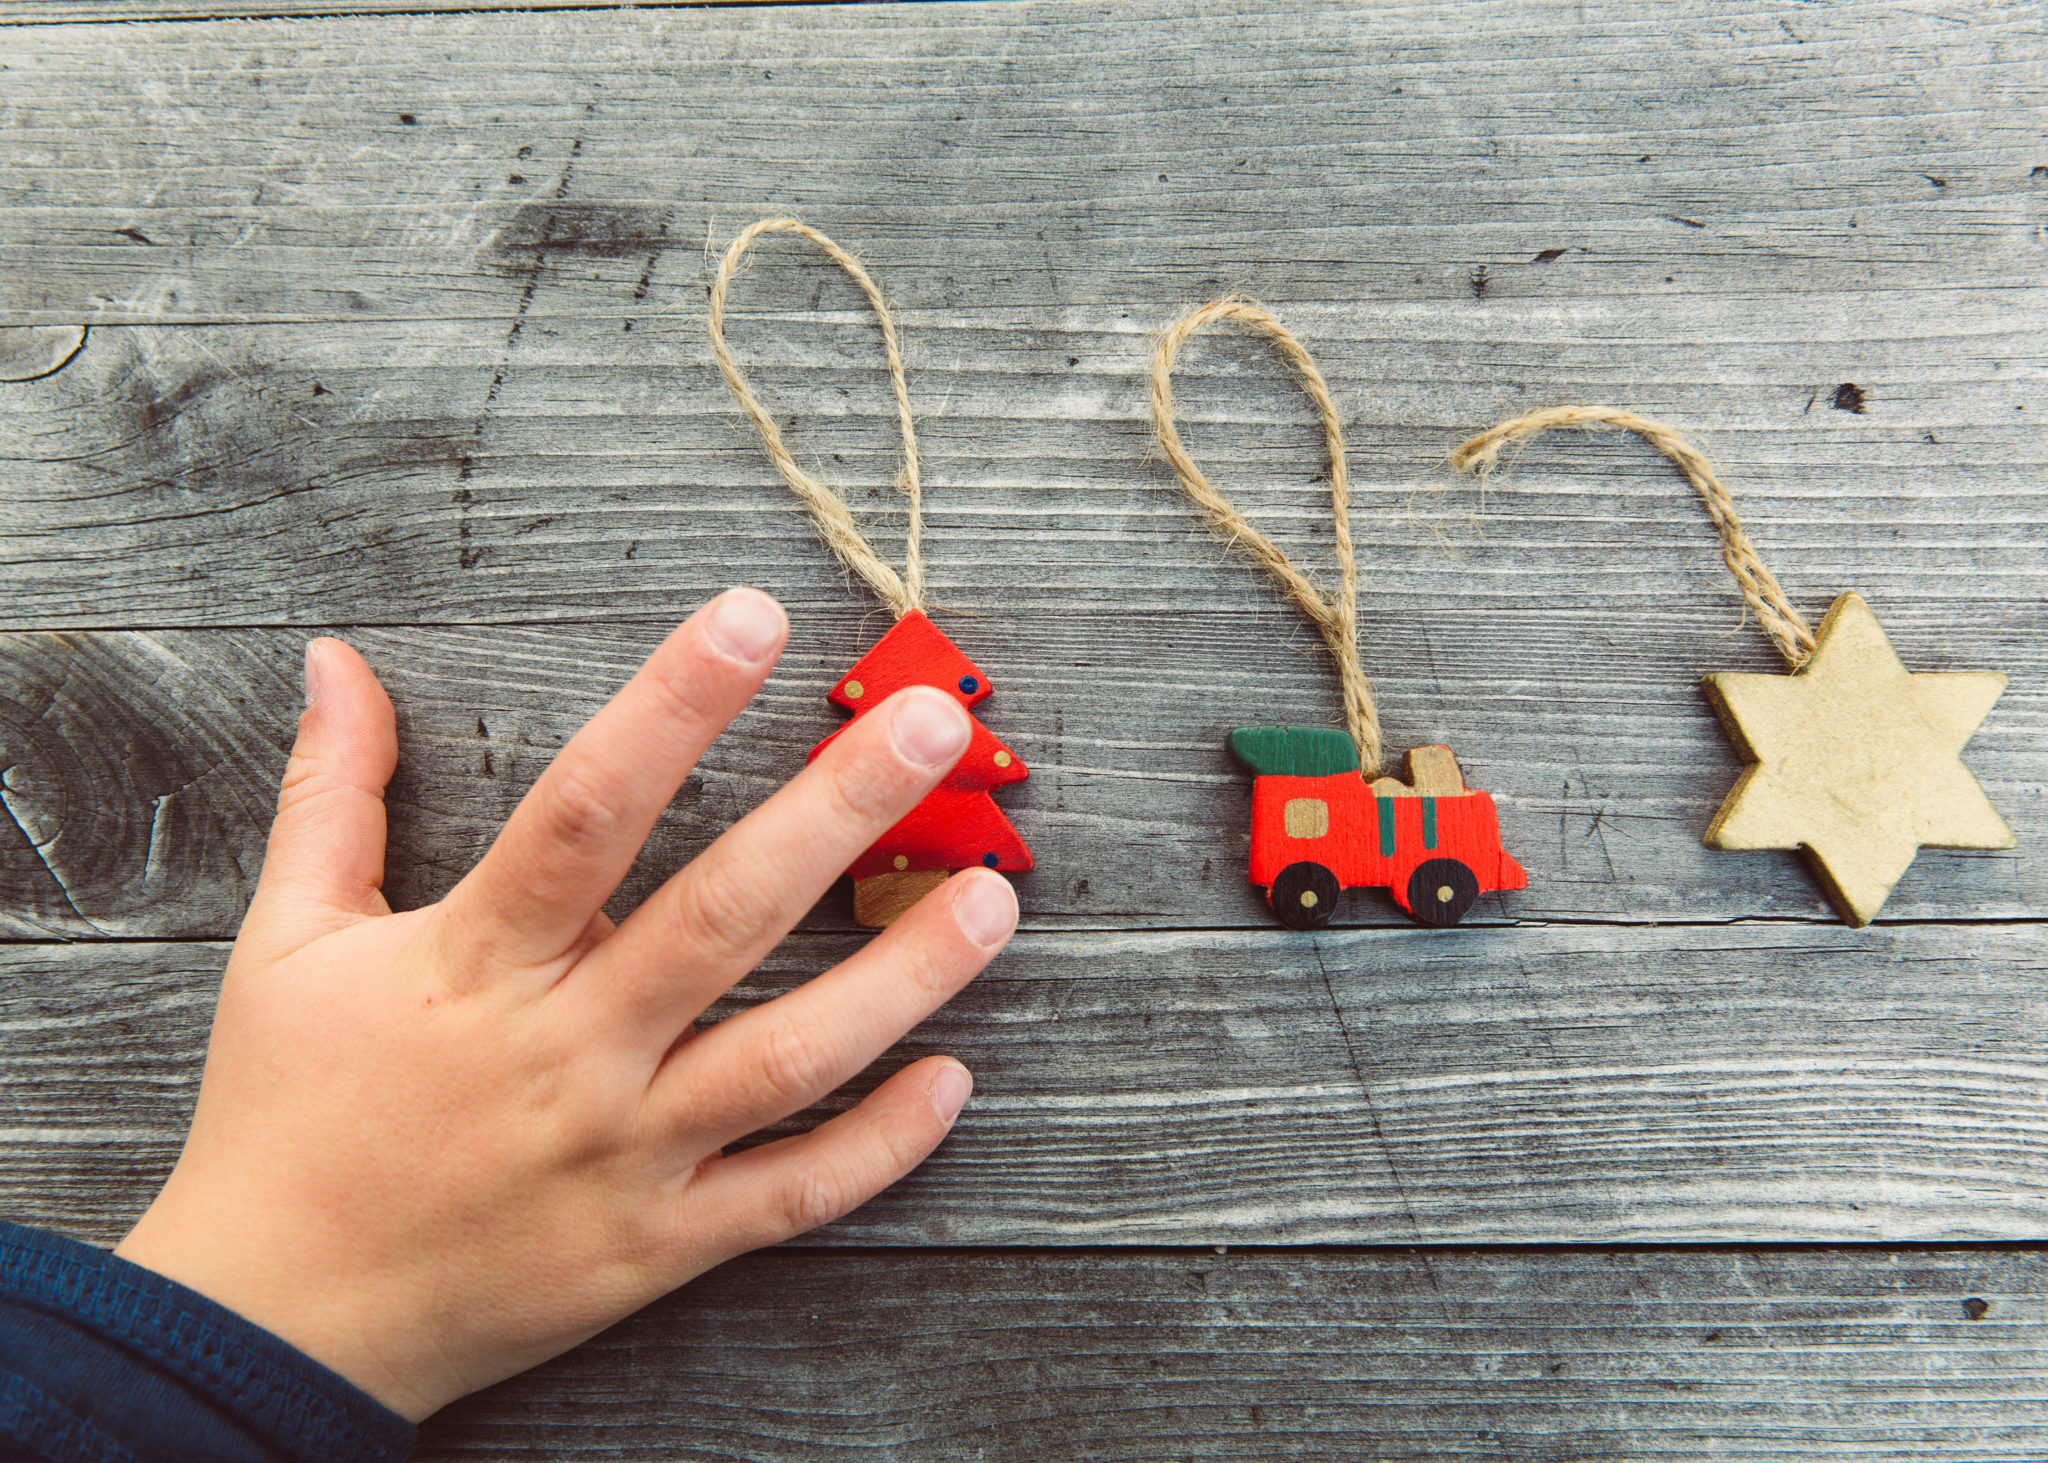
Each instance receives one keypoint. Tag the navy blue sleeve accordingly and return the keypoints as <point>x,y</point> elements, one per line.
<point>102,1361</point>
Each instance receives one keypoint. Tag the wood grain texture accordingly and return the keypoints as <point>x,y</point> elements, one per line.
<point>431,472</point>
<point>1342,147</point>
<point>396,329</point>
<point>72,12</point>
<point>128,752</point>
<point>1814,242</point>
<point>1511,1357</point>
<point>1547,1085</point>
<point>28,352</point>
<point>138,787</point>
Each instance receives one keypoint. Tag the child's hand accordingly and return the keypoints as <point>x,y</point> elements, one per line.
<point>435,1148</point>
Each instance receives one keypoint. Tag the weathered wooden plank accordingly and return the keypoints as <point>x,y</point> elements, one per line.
<point>1038,155</point>
<point>430,472</point>
<point>28,352</point>
<point>1531,1085</point>
<point>61,12</point>
<point>140,768</point>
<point>394,321</point>
<point>512,465</point>
<point>138,786</point>
<point>1508,1356</point>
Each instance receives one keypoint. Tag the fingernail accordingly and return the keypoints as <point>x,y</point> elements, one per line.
<point>986,909</point>
<point>745,624</point>
<point>930,729</point>
<point>950,1090</point>
<point>312,672</point>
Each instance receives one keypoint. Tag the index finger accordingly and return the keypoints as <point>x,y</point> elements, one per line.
<point>578,829</point>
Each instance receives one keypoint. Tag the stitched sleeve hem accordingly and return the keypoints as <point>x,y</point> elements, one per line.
<point>31,1419</point>
<point>295,1404</point>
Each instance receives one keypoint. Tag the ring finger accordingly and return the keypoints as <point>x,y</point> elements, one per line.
<point>778,1058</point>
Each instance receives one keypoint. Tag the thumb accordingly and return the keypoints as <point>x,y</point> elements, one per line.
<point>324,867</point>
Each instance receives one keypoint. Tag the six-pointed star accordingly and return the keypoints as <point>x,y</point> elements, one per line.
<point>1855,760</point>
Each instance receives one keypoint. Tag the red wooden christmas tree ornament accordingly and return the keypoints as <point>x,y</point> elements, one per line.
<point>958,825</point>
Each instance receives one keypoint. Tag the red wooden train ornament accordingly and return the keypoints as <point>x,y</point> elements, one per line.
<point>958,825</point>
<point>1318,828</point>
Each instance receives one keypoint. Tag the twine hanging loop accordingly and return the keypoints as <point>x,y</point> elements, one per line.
<point>1336,619</point>
<point>903,592</point>
<point>1784,624</point>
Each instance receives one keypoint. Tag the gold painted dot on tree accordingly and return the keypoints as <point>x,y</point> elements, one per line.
<point>1002,759</point>
<point>902,863</point>
<point>1308,899</point>
<point>1855,759</point>
<point>853,690</point>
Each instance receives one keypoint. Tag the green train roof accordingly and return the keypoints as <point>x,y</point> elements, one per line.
<point>1294,751</point>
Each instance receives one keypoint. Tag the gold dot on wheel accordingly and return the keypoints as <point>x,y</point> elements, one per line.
<point>1445,894</point>
<point>1002,759</point>
<point>902,863</point>
<point>1308,899</point>
<point>853,690</point>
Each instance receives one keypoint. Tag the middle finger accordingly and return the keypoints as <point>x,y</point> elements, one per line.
<point>711,923</point>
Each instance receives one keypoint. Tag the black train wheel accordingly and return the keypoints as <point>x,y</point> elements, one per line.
<point>1440,891</point>
<point>1304,896</point>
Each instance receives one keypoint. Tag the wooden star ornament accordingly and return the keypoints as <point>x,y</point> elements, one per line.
<point>1856,760</point>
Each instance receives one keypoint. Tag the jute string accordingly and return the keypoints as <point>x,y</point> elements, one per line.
<point>1337,619</point>
<point>1784,624</point>
<point>903,592</point>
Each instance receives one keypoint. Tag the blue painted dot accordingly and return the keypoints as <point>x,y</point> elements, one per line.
<point>989,859</point>
<point>968,685</point>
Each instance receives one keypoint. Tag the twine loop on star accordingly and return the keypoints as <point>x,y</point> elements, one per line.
<point>1336,618</point>
<point>903,592</point>
<point>1784,624</point>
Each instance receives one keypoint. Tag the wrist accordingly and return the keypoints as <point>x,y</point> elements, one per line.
<point>329,1325</point>
<point>111,1347</point>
